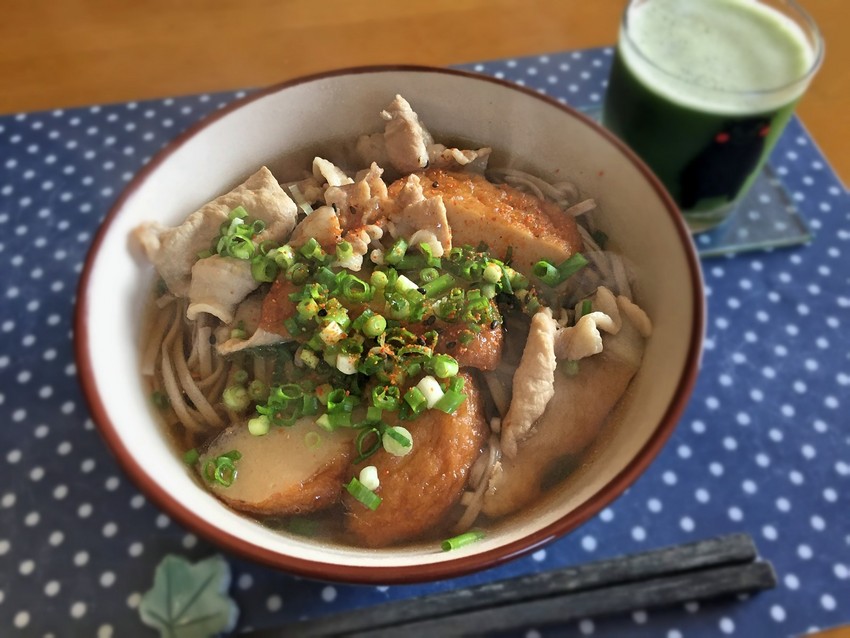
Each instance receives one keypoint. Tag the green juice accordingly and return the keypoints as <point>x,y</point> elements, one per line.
<point>702,90</point>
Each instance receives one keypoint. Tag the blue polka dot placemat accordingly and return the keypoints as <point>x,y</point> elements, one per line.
<point>764,446</point>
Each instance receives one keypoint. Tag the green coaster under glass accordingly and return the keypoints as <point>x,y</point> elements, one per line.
<point>765,218</point>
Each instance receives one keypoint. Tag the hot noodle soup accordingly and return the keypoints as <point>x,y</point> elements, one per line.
<point>404,345</point>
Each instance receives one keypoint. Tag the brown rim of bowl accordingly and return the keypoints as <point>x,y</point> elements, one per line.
<point>402,574</point>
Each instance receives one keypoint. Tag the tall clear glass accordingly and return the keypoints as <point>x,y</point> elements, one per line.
<point>702,89</point>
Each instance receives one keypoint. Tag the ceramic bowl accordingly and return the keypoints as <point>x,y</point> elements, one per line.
<point>535,131</point>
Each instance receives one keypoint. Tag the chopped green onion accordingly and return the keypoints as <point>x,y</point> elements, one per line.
<point>239,247</point>
<point>397,441</point>
<point>160,399</point>
<point>366,496</point>
<point>336,401</point>
<point>445,366</point>
<point>571,266</point>
<point>299,199</point>
<point>431,389</point>
<point>344,251</point>
<point>457,384</point>
<point>374,326</point>
<point>361,442</point>
<point>312,249</point>
<point>263,269</point>
<point>204,254</point>
<point>416,400</point>
<point>461,540</point>
<point>284,256</point>
<point>440,285</point>
<point>374,414</point>
<point>312,440</point>
<point>258,391</point>
<point>450,401</point>
<point>369,477</point>
<point>222,469</point>
<point>236,398</point>
<point>569,367</point>
<point>240,376</point>
<point>238,333</point>
<point>428,253</point>
<point>412,262</point>
<point>427,275</point>
<point>298,273</point>
<point>492,273</point>
<point>309,405</point>
<point>309,358</point>
<point>332,333</point>
<point>586,307</point>
<point>258,226</point>
<point>517,280</point>
<point>387,397</point>
<point>237,213</point>
<point>398,307</point>
<point>191,457</point>
<point>403,284</point>
<point>259,426</point>
<point>326,277</point>
<point>488,291</point>
<point>547,273</point>
<point>379,279</point>
<point>396,253</point>
<point>347,363</point>
<point>354,289</point>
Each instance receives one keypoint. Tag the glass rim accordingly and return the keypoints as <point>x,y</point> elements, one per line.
<point>807,20</point>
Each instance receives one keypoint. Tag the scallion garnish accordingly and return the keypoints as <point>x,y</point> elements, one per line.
<point>416,400</point>
<point>222,469</point>
<point>236,398</point>
<point>546,272</point>
<point>571,266</point>
<point>569,367</point>
<point>462,540</point>
<point>368,442</point>
<point>191,456</point>
<point>160,399</point>
<point>439,285</point>
<point>259,426</point>
<point>363,494</point>
<point>395,254</point>
<point>263,269</point>
<point>397,441</point>
<point>450,401</point>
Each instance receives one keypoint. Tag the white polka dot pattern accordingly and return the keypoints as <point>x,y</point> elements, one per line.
<point>763,447</point>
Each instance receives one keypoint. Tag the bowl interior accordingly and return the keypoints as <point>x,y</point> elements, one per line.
<point>526,131</point>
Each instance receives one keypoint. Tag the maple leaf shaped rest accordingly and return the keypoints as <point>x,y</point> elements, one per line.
<point>190,600</point>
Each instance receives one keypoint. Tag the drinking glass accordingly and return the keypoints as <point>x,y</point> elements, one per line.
<point>702,89</point>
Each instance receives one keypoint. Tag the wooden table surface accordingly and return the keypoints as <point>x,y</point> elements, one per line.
<point>60,53</point>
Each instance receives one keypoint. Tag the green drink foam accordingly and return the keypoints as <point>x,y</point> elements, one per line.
<point>721,56</point>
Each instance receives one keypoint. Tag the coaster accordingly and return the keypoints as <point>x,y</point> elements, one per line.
<point>765,218</point>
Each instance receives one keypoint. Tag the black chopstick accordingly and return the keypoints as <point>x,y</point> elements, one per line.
<point>649,594</point>
<point>691,561</point>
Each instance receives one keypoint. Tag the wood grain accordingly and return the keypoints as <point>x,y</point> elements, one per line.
<point>78,52</point>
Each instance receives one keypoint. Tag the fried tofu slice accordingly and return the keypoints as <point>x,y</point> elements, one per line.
<point>420,489</point>
<point>283,472</point>
<point>502,217</point>
<point>573,418</point>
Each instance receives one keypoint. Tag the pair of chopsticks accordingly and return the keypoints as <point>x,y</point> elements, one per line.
<point>707,569</point>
